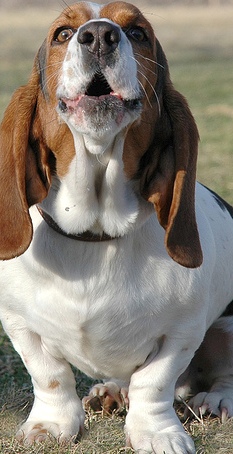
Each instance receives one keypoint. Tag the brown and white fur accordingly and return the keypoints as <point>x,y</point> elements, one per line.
<point>122,268</point>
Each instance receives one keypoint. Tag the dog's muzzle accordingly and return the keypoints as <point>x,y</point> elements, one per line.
<point>108,95</point>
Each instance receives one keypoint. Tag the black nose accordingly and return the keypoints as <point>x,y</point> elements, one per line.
<point>99,37</point>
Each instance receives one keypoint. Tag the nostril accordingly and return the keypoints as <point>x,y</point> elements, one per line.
<point>112,37</point>
<point>85,37</point>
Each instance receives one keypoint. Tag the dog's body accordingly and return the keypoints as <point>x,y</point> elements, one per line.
<point>97,287</point>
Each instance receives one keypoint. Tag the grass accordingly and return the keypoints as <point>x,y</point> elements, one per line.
<point>198,44</point>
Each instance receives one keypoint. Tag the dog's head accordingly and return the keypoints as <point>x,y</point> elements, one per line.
<point>100,70</point>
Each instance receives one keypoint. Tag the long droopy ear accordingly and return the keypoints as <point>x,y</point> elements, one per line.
<point>169,172</point>
<point>22,182</point>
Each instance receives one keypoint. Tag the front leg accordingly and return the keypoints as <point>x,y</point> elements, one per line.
<point>151,424</point>
<point>56,410</point>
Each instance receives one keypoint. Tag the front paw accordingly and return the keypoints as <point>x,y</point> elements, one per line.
<point>38,431</point>
<point>169,438</point>
<point>215,403</point>
<point>162,442</point>
<point>108,397</point>
<point>63,427</point>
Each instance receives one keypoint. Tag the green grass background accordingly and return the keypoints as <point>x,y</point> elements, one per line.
<point>198,43</point>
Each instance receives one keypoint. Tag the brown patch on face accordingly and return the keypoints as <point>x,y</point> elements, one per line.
<point>54,384</point>
<point>54,135</point>
<point>121,13</point>
<point>74,16</point>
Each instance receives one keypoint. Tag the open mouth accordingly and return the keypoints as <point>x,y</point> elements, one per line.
<point>98,90</point>
<point>98,87</point>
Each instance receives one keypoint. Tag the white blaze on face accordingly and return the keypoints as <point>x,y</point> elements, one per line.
<point>99,114</point>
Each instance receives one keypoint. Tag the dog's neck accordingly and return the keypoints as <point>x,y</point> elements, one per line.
<point>95,195</point>
<point>85,236</point>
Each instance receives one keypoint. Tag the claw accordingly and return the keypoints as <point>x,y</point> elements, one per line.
<point>203,409</point>
<point>224,415</point>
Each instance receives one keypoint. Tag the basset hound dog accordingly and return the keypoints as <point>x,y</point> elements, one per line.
<point>114,259</point>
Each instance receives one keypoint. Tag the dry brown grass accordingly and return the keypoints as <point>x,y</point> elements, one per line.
<point>103,435</point>
<point>198,44</point>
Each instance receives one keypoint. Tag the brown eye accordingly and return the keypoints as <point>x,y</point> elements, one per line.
<point>137,34</point>
<point>63,35</point>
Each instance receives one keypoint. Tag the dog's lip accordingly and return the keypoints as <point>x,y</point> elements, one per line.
<point>70,105</point>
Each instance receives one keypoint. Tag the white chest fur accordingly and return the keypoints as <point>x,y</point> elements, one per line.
<point>95,194</point>
<point>91,303</point>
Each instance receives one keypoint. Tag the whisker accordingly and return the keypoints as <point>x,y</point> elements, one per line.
<point>43,68</point>
<point>146,95</point>
<point>52,120</point>
<point>153,89</point>
<point>143,88</point>
<point>143,66</point>
<point>50,78</point>
<point>39,70</point>
<point>149,59</point>
<point>68,7</point>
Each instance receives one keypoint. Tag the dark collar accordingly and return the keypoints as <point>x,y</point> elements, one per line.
<point>85,236</point>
